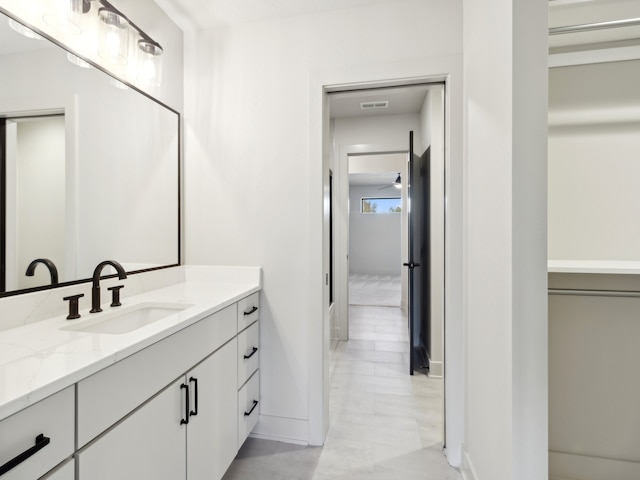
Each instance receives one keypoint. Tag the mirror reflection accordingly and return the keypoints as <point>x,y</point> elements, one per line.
<point>89,170</point>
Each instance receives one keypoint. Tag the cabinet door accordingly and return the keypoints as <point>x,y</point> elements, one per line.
<point>149,444</point>
<point>65,472</point>
<point>211,432</point>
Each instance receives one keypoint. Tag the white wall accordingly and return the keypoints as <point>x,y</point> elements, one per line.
<point>254,117</point>
<point>594,115</point>
<point>505,52</point>
<point>374,240</point>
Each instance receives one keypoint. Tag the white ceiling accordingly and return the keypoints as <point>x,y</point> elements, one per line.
<point>201,14</point>
<point>401,100</point>
<point>384,179</point>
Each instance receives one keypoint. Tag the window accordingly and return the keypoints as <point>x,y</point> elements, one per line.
<point>381,205</point>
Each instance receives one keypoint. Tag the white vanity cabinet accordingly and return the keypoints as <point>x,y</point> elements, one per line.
<point>107,396</point>
<point>248,366</point>
<point>181,433</point>
<point>36,439</point>
<point>212,415</point>
<point>150,443</point>
<point>66,471</point>
<point>172,410</point>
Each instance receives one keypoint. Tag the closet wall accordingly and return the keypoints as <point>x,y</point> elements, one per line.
<point>594,251</point>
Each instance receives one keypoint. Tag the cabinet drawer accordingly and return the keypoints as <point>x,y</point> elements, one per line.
<point>248,310</point>
<point>248,344</point>
<point>248,407</point>
<point>67,471</point>
<point>109,395</point>
<point>52,417</point>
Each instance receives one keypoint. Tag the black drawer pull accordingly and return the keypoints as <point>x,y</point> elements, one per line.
<point>251,311</point>
<point>193,413</point>
<point>253,351</point>
<point>185,420</point>
<point>255,404</point>
<point>41,442</point>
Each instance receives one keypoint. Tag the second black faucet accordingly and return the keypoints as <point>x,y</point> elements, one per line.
<point>95,289</point>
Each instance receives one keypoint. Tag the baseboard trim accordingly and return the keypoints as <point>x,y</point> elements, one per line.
<point>467,470</point>
<point>282,429</point>
<point>570,466</point>
<point>436,369</point>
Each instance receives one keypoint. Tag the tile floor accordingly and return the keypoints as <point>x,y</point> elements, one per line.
<point>385,424</point>
<point>375,290</point>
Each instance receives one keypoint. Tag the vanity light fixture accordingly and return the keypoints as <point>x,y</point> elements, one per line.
<point>66,15</point>
<point>98,27</point>
<point>113,36</point>
<point>149,62</point>
<point>137,49</point>
<point>22,30</point>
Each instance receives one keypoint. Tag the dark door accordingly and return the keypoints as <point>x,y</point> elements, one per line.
<point>419,263</point>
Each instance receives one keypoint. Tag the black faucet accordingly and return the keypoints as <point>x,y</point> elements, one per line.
<point>53,271</point>
<point>95,289</point>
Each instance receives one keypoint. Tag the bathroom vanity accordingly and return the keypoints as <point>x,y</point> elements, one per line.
<point>174,397</point>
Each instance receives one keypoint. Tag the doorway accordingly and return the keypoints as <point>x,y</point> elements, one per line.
<point>362,135</point>
<point>377,229</point>
<point>360,132</point>
<point>32,198</point>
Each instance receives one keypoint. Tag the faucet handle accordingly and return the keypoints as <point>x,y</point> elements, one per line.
<point>115,295</point>
<point>73,306</point>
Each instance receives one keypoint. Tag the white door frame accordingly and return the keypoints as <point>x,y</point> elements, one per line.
<point>341,230</point>
<point>449,70</point>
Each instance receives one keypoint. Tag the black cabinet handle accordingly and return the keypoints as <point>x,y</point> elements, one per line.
<point>185,420</point>
<point>253,351</point>
<point>251,311</point>
<point>411,265</point>
<point>193,413</point>
<point>41,442</point>
<point>255,404</point>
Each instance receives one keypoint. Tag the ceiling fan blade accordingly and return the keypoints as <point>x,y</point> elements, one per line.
<point>388,186</point>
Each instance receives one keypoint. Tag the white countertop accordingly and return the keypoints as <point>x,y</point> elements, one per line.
<point>594,266</point>
<point>39,359</point>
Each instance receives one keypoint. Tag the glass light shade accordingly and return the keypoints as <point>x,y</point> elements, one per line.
<point>149,63</point>
<point>65,15</point>
<point>22,30</point>
<point>113,36</point>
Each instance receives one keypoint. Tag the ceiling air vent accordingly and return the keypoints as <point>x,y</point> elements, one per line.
<point>368,105</point>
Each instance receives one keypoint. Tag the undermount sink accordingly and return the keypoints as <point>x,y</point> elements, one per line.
<point>127,319</point>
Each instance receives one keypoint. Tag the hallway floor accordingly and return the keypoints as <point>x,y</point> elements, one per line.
<point>385,424</point>
<point>375,290</point>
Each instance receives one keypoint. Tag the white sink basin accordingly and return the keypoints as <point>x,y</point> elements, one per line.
<point>126,319</point>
